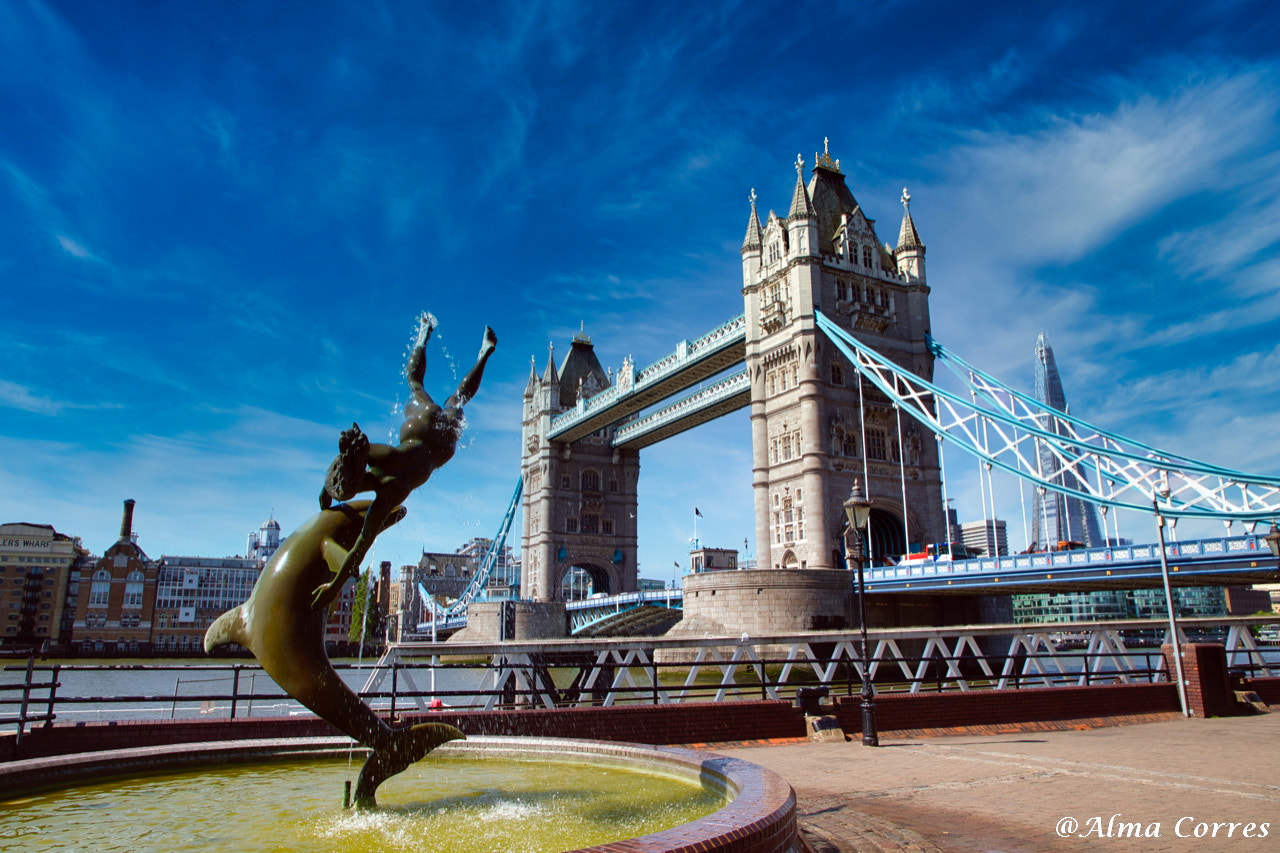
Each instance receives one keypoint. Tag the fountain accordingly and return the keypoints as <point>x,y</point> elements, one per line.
<point>482,793</point>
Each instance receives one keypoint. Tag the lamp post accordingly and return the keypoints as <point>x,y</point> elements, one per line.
<point>1169,609</point>
<point>1273,540</point>
<point>856,511</point>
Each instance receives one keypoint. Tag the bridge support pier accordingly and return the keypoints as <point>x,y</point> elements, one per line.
<point>496,621</point>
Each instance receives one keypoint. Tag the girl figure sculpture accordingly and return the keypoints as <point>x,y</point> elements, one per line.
<point>428,439</point>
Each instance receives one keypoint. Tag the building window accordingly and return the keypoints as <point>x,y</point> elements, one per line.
<point>606,526</point>
<point>590,523</point>
<point>565,481</point>
<point>837,375</point>
<point>613,484</point>
<point>866,256</point>
<point>133,590</point>
<point>875,444</point>
<point>571,525</point>
<point>590,481</point>
<point>100,590</point>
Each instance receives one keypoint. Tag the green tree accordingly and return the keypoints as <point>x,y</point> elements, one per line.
<point>366,601</point>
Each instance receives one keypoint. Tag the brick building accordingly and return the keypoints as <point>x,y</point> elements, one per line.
<point>36,563</point>
<point>115,607</point>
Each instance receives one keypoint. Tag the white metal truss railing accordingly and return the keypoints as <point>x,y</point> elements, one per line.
<point>480,580</point>
<point>686,352</point>
<point>688,406</point>
<point>1056,451</point>
<point>912,660</point>
<point>1246,549</point>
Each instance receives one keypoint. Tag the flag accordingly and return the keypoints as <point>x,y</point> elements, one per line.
<point>697,512</point>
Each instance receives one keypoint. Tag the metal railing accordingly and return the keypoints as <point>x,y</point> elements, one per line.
<point>656,670</point>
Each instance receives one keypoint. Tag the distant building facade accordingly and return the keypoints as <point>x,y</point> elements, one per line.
<point>191,592</point>
<point>36,563</point>
<point>116,617</point>
<point>989,537</point>
<point>263,542</point>
<point>713,559</point>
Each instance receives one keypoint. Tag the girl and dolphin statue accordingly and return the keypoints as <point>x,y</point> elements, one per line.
<point>284,619</point>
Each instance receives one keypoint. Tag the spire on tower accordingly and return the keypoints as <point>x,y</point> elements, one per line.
<point>801,206</point>
<point>550,374</point>
<point>532,384</point>
<point>754,238</point>
<point>908,236</point>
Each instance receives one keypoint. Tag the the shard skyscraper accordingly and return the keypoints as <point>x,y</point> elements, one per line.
<point>1059,518</point>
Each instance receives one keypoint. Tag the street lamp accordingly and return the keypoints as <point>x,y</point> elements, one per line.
<point>1168,601</point>
<point>857,509</point>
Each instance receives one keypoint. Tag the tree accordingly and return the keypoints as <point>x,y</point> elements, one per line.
<point>366,600</point>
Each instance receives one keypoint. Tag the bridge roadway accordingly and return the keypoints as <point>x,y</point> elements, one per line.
<point>1200,562</point>
<point>634,390</point>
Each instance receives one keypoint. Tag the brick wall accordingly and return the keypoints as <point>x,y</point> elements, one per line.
<point>1267,688</point>
<point>1204,672</point>
<point>660,724</point>
<point>985,707</point>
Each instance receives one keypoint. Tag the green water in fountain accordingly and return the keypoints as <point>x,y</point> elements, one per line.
<point>444,803</point>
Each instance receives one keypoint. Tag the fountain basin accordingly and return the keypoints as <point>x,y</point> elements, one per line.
<point>759,813</point>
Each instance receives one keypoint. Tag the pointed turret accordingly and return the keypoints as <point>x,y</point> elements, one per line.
<point>549,375</point>
<point>910,251</point>
<point>801,206</point>
<point>802,219</point>
<point>752,244</point>
<point>754,240</point>
<point>532,384</point>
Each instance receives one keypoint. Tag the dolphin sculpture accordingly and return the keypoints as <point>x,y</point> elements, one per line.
<point>283,624</point>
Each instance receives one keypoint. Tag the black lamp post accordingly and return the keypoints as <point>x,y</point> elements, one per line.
<point>857,509</point>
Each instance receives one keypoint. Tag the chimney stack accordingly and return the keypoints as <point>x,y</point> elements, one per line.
<point>126,522</point>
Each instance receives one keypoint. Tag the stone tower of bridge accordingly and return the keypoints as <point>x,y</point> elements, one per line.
<point>807,433</point>
<point>579,501</point>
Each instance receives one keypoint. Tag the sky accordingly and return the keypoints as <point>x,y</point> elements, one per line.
<point>222,219</point>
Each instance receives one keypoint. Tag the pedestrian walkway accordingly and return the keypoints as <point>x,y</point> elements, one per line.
<point>1124,788</point>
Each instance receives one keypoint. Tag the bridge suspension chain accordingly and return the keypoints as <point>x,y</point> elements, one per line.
<point>1057,451</point>
<point>480,580</point>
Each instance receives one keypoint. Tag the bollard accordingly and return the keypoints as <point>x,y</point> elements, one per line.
<point>346,794</point>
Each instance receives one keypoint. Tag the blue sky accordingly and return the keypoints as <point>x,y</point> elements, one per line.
<point>220,225</point>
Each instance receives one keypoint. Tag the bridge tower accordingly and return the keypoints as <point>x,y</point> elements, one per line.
<point>579,501</point>
<point>809,440</point>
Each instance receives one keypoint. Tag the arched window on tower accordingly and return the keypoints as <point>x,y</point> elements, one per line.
<point>590,480</point>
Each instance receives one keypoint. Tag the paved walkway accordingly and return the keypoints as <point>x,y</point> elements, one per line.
<point>1016,792</point>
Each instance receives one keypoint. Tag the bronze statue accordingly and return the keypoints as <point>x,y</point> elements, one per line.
<point>428,439</point>
<point>283,621</point>
<point>284,629</point>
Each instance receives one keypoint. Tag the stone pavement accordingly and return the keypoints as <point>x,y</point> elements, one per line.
<point>1127,788</point>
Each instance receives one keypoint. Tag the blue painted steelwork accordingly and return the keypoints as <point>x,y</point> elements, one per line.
<point>1108,470</point>
<point>736,384</point>
<point>626,386</point>
<point>590,611</point>
<point>479,584</point>
<point>1242,555</point>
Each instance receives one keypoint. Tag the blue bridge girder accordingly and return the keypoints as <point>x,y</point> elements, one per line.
<point>589,611</point>
<point>1200,562</point>
<point>691,363</point>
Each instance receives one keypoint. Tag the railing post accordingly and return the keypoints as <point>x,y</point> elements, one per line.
<point>653,673</point>
<point>395,677</point>
<point>53,696</point>
<point>22,710</point>
<point>235,689</point>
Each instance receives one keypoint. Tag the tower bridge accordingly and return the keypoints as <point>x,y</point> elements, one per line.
<point>835,358</point>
